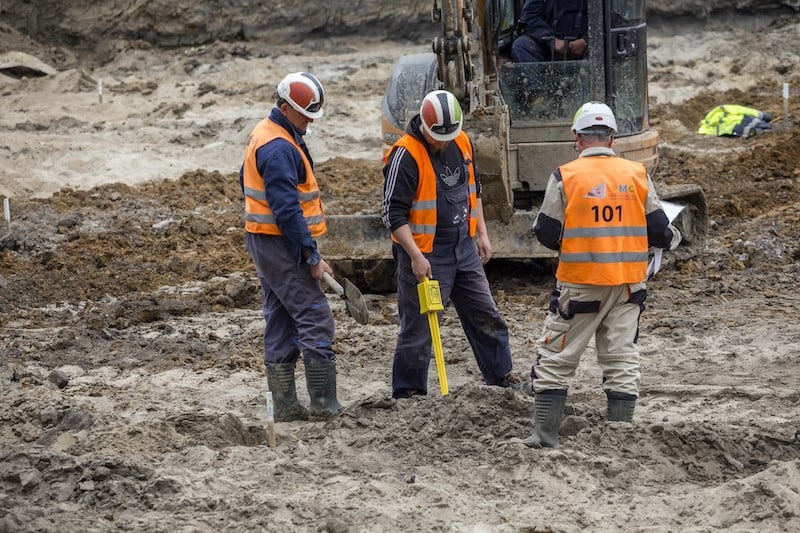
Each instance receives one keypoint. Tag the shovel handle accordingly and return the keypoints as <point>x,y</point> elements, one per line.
<point>333,284</point>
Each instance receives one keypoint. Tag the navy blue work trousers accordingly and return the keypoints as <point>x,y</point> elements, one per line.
<point>455,264</point>
<point>525,49</point>
<point>298,318</point>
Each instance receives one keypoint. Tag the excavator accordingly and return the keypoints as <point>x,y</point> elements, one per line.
<point>518,116</point>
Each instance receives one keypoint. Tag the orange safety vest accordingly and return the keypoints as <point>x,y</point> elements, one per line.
<point>258,214</point>
<point>605,228</point>
<point>422,216</point>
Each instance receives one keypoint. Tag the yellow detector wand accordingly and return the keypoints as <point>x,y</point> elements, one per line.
<point>430,303</point>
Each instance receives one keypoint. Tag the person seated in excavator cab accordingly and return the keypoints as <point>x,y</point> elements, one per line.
<point>552,30</point>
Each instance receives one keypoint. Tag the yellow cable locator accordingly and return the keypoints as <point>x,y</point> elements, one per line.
<point>430,303</point>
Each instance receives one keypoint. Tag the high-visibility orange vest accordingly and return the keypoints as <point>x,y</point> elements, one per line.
<point>422,216</point>
<point>258,214</point>
<point>605,228</point>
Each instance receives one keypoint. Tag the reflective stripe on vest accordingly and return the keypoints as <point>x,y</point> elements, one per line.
<point>422,216</point>
<point>258,214</point>
<point>605,228</point>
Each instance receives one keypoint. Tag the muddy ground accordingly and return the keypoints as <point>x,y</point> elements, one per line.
<point>131,381</point>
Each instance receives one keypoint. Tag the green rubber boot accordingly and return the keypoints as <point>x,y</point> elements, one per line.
<point>321,382</point>
<point>280,378</point>
<point>620,406</point>
<point>548,410</point>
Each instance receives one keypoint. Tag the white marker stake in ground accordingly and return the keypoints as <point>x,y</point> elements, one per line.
<point>7,212</point>
<point>270,421</point>
<point>786,104</point>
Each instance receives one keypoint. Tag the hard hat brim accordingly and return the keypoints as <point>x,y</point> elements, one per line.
<point>441,137</point>
<point>595,130</point>
<point>305,112</point>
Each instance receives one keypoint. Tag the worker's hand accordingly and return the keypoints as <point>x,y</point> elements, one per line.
<point>484,247</point>
<point>421,267</point>
<point>559,45</point>
<point>577,47</point>
<point>319,268</point>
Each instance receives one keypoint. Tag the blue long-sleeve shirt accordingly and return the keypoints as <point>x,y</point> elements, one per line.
<point>281,166</point>
<point>543,19</point>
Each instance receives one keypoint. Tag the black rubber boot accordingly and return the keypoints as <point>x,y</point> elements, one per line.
<point>321,382</point>
<point>620,406</point>
<point>280,378</point>
<point>548,410</point>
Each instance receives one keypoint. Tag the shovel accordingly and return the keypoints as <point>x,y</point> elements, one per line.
<point>354,301</point>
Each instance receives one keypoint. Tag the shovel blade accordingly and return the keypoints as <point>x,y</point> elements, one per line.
<point>355,303</point>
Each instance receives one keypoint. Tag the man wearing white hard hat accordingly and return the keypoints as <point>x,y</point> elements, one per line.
<point>283,216</point>
<point>432,205</point>
<point>601,213</point>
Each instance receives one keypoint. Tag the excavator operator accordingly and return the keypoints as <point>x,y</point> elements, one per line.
<point>552,30</point>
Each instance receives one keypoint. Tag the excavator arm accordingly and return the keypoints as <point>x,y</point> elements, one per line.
<point>454,66</point>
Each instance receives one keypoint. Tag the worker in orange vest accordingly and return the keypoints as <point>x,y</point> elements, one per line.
<point>602,214</point>
<point>283,216</point>
<point>432,205</point>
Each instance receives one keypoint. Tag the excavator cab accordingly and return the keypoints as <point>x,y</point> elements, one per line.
<point>542,97</point>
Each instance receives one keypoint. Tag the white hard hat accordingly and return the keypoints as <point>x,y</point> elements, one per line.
<point>441,115</point>
<point>303,92</point>
<point>592,114</point>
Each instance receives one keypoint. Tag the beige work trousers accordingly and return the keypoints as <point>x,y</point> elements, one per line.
<point>611,316</point>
